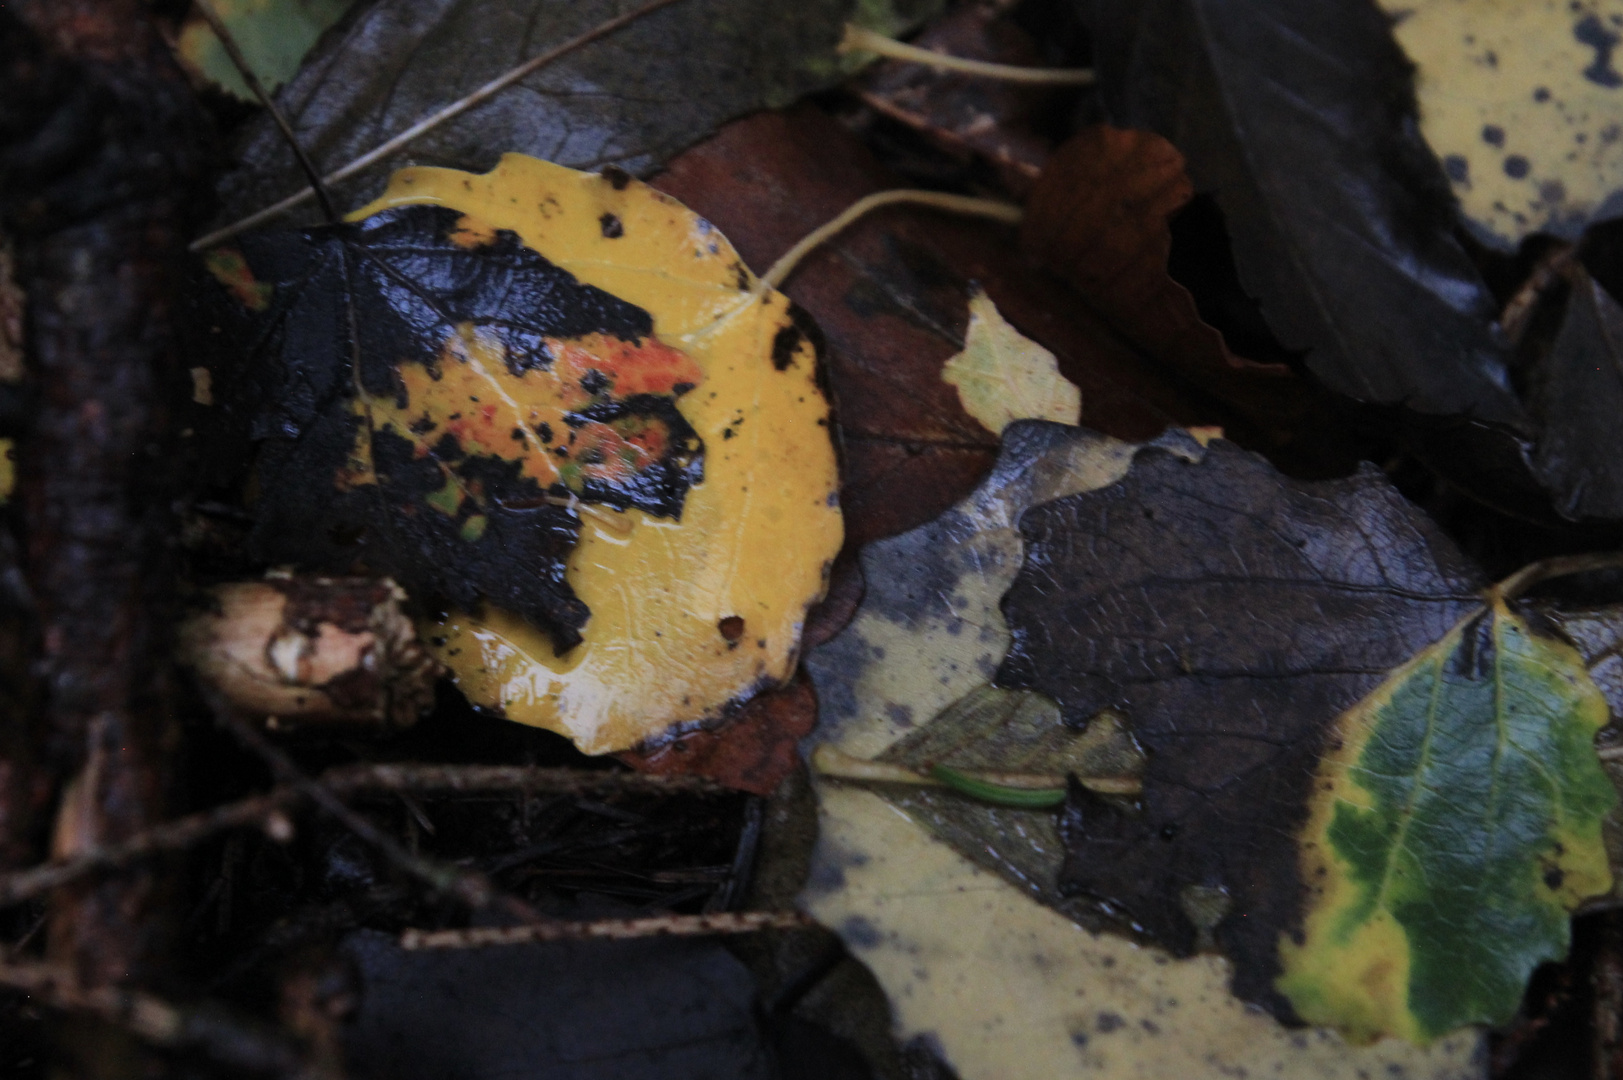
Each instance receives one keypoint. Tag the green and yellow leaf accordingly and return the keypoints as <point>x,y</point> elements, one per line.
<point>1455,827</point>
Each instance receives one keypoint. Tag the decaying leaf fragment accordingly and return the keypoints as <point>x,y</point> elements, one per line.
<point>955,906</point>
<point>1455,824</point>
<point>1003,376</point>
<point>273,35</point>
<point>693,611</point>
<point>1522,104</point>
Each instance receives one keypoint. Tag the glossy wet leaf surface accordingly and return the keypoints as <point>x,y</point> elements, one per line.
<point>691,615</point>
<point>431,397</point>
<point>1455,824</point>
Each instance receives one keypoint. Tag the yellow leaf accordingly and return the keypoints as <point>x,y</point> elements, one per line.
<point>1521,102</point>
<point>755,537</point>
<point>1003,376</point>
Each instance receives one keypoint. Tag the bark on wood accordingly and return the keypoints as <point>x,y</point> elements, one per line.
<point>99,149</point>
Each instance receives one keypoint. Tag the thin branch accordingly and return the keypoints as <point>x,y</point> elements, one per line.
<point>720,922</point>
<point>419,778</point>
<point>433,120</point>
<point>1561,566</point>
<point>472,888</point>
<point>994,209</point>
<point>170,836</point>
<point>261,810</point>
<point>222,1037</point>
<point>857,39</point>
<point>228,42</point>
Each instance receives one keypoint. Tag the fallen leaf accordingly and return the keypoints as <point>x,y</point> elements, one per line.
<point>273,35</point>
<point>1242,614</point>
<point>963,925</point>
<point>1455,824</point>
<point>689,594</point>
<point>1250,613</point>
<point>1520,104</point>
<point>432,396</point>
<point>752,751</point>
<point>631,100</point>
<point>1003,376</point>
<point>1335,208</point>
<point>692,620</point>
<point>1099,215</point>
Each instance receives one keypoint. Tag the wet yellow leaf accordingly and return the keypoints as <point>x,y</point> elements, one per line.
<point>688,616</point>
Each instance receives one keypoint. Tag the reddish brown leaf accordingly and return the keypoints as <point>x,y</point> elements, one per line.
<point>970,117</point>
<point>752,752</point>
<point>1099,214</point>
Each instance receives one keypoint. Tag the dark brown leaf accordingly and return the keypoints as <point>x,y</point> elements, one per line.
<point>1230,614</point>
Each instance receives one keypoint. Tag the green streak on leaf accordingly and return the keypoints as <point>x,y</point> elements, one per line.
<point>1457,823</point>
<point>474,528</point>
<point>997,794</point>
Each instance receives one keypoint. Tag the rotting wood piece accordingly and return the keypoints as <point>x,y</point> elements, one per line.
<point>99,150</point>
<point>302,650</point>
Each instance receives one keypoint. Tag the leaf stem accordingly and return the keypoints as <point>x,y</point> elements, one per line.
<point>1548,569</point>
<point>998,794</point>
<point>1006,789</point>
<point>857,39</point>
<point>994,209</point>
<point>228,42</point>
<point>433,120</point>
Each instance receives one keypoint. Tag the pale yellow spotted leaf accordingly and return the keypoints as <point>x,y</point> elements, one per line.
<point>1522,101</point>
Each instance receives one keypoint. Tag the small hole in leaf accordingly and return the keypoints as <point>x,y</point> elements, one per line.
<point>732,627</point>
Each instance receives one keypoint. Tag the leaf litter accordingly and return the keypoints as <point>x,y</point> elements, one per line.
<point>960,914</point>
<point>985,741</point>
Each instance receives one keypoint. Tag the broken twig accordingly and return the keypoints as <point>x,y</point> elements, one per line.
<point>720,922</point>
